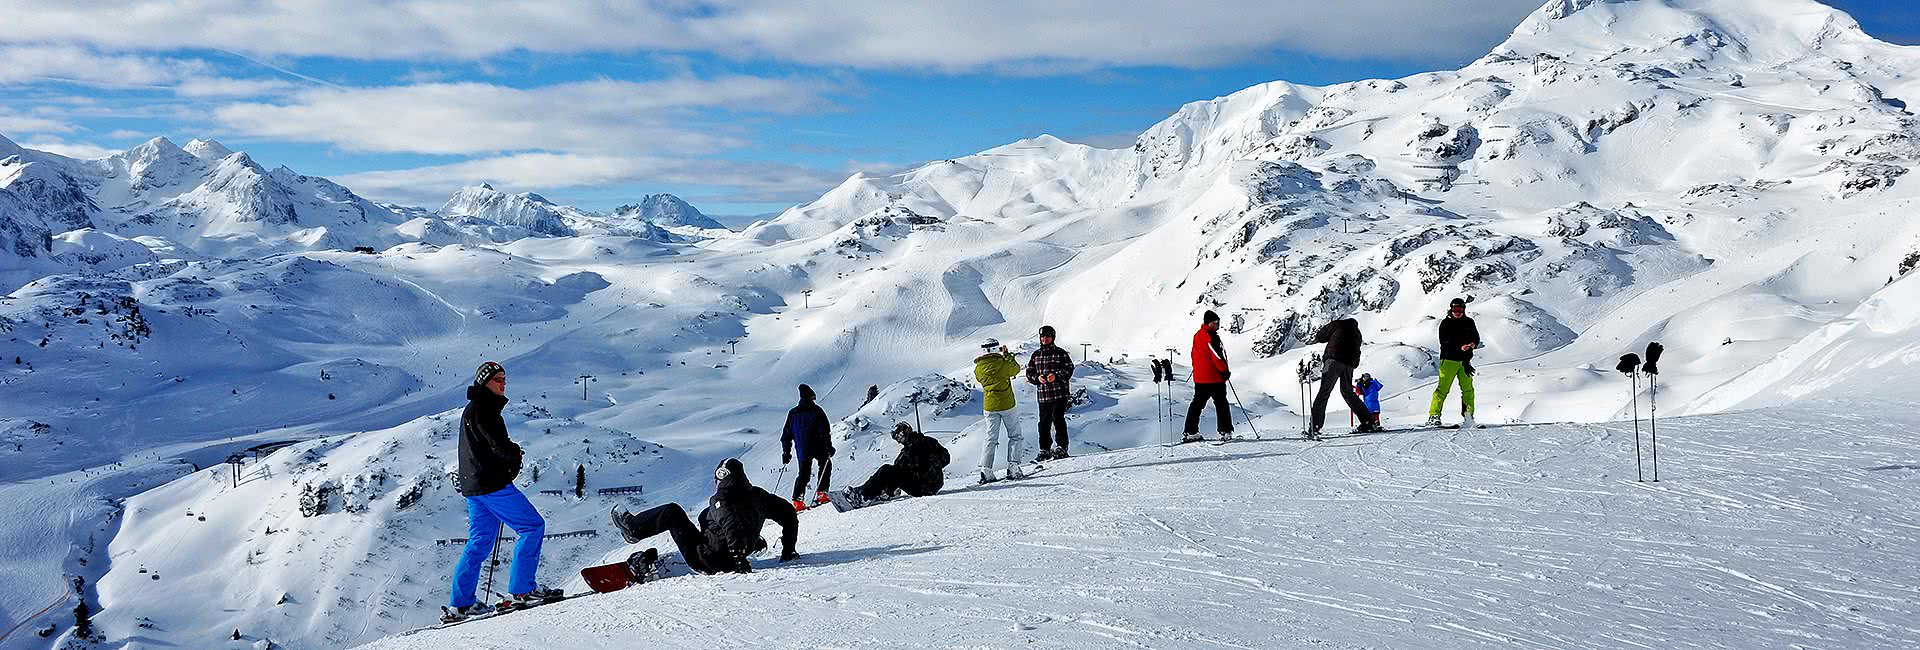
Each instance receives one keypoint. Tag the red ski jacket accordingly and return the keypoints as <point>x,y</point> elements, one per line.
<point>1209,360</point>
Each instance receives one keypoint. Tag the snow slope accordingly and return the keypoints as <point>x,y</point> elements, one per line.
<point>1768,529</point>
<point>1729,177</point>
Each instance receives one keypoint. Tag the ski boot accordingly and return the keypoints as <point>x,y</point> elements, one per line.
<point>620,523</point>
<point>1191,436</point>
<point>1466,421</point>
<point>1059,453</point>
<point>820,497</point>
<point>539,596</point>
<point>450,614</point>
<point>1433,422</point>
<point>1312,434</point>
<point>986,476</point>
<point>799,506</point>
<point>1226,436</point>
<point>1044,456</point>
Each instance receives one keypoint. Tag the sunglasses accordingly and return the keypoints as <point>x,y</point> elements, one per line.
<point>498,379</point>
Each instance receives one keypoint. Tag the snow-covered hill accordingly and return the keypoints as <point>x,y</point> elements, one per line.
<point>1762,532</point>
<point>1729,177</point>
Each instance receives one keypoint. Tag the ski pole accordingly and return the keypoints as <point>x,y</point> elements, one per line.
<point>1639,474</point>
<point>493,557</point>
<point>1653,423</point>
<point>1243,409</point>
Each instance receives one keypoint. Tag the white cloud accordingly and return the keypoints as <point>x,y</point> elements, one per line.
<point>13,123</point>
<point>747,181</point>
<point>125,134</point>
<point>230,87</point>
<point>70,149</point>
<point>475,118</point>
<point>1063,35</point>
<point>30,63</point>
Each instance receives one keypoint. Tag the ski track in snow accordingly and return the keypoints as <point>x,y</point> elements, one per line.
<point>1768,529</point>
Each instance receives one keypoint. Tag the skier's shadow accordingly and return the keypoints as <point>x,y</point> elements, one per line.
<point>1179,461</point>
<point>843,556</point>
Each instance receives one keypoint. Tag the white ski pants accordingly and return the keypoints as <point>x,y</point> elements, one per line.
<point>1009,422</point>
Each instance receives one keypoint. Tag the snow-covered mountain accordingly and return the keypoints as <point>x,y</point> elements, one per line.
<point>1729,177</point>
<point>667,211</point>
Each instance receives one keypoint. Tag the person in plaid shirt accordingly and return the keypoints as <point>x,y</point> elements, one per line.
<point>1051,368</point>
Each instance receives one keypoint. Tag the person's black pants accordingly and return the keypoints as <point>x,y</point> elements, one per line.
<point>891,477</point>
<point>1053,417</point>
<point>1202,393</point>
<point>806,473</point>
<point>1338,372</point>
<point>670,518</point>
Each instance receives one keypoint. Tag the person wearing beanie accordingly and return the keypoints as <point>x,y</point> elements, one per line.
<point>995,369</point>
<point>1458,339</point>
<point>1210,375</point>
<point>1050,369</point>
<point>729,529</point>
<point>488,463</point>
<point>808,435</point>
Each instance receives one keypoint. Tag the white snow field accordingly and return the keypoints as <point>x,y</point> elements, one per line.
<point>1728,177</point>
<point>1782,528</point>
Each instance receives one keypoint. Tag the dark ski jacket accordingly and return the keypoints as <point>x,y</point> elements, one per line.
<point>1455,332</point>
<point>489,461</point>
<point>1209,357</point>
<point>1050,359</point>
<point>808,433</point>
<point>1343,341</point>
<point>925,462</point>
<point>734,516</point>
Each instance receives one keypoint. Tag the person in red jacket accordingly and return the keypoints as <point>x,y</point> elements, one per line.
<point>1209,379</point>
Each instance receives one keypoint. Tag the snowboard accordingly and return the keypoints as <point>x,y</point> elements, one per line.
<point>844,501</point>
<point>639,568</point>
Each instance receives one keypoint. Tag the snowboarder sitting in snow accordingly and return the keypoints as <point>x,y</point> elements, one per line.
<point>1369,389</point>
<point>808,432</point>
<point>729,528</point>
<point>919,470</point>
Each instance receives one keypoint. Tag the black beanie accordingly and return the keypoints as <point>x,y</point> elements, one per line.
<point>806,392</point>
<point>1209,317</point>
<point>486,372</point>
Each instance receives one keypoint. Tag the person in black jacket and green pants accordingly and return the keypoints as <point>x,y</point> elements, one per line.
<point>1458,339</point>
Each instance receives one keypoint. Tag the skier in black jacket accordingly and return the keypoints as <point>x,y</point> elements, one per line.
<point>729,528</point>
<point>919,470</point>
<point>1343,356</point>
<point>809,435</point>
<point>489,461</point>
<point>1459,337</point>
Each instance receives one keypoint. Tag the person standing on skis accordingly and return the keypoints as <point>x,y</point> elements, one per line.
<point>489,461</point>
<point>1369,389</point>
<point>1051,369</point>
<point>729,529</point>
<point>1458,339</point>
<point>995,369</point>
<point>1342,356</point>
<point>808,435</point>
<point>1209,380</point>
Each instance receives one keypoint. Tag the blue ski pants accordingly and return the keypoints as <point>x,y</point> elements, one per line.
<point>485,513</point>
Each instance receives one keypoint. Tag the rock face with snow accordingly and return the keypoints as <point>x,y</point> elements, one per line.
<point>524,210</point>
<point>667,211</point>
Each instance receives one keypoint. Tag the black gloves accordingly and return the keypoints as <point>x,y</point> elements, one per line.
<point>1225,375</point>
<point>1653,356</point>
<point>1628,363</point>
<point>786,456</point>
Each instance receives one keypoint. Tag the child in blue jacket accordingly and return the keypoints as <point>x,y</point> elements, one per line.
<point>1368,389</point>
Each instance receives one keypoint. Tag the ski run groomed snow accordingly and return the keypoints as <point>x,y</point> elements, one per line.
<point>1727,177</point>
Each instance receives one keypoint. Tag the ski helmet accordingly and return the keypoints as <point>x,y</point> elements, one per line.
<point>990,343</point>
<point>1046,331</point>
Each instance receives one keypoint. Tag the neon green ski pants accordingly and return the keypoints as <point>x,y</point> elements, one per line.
<point>1449,371</point>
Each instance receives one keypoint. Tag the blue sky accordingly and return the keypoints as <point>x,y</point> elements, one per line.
<point>740,106</point>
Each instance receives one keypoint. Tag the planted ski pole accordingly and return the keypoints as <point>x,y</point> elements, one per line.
<point>1243,409</point>
<point>493,557</point>
<point>1652,368</point>
<point>1629,366</point>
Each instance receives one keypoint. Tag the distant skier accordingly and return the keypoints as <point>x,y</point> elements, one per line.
<point>1051,369</point>
<point>995,369</point>
<point>489,461</point>
<point>1369,389</point>
<point>919,470</point>
<point>1342,356</point>
<point>1458,339</point>
<point>729,529</point>
<point>809,435</point>
<point>1209,379</point>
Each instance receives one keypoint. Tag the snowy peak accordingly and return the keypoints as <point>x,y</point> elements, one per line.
<point>525,210</point>
<point>1758,32</point>
<point>207,150</point>
<point>667,210</point>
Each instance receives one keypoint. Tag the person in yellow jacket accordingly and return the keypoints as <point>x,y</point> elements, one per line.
<point>995,369</point>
